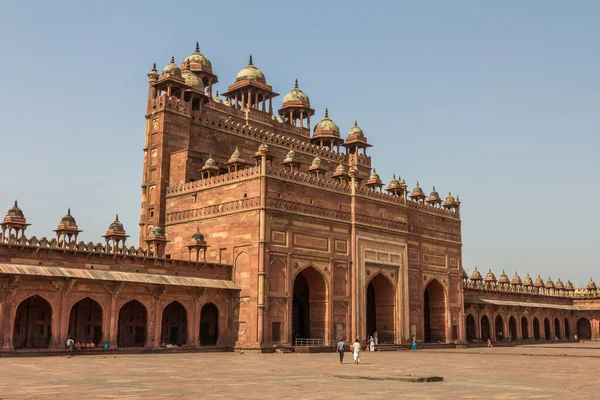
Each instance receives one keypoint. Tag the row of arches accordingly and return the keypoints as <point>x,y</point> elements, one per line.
<point>33,324</point>
<point>562,329</point>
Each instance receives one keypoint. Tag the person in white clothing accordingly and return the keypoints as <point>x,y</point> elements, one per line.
<point>356,350</point>
<point>371,344</point>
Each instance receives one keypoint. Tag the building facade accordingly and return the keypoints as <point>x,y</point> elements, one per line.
<point>256,230</point>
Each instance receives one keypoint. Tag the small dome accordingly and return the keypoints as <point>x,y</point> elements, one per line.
<point>263,148</point>
<point>516,279</point>
<point>280,120</point>
<point>250,73</point>
<point>356,131</point>
<point>172,68</point>
<point>569,285</point>
<point>227,103</point>
<point>326,125</point>
<point>340,168</point>
<point>560,284</point>
<point>217,99</point>
<point>290,156</point>
<point>528,281</point>
<point>116,225</point>
<point>503,278</point>
<point>191,79</point>
<point>15,211</point>
<point>549,284</point>
<point>68,220</point>
<point>591,285</point>
<point>374,175</point>
<point>236,154</point>
<point>316,162</point>
<point>197,62</point>
<point>476,275</point>
<point>490,277</point>
<point>394,183</point>
<point>417,191</point>
<point>197,236</point>
<point>434,196</point>
<point>296,95</point>
<point>157,231</point>
<point>210,162</point>
<point>539,282</point>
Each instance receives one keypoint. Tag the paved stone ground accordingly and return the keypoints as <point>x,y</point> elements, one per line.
<point>525,372</point>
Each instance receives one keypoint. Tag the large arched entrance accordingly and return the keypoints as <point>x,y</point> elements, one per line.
<point>434,312</point>
<point>133,330</point>
<point>512,328</point>
<point>209,325</point>
<point>309,306</point>
<point>471,335</point>
<point>380,309</point>
<point>85,321</point>
<point>546,329</point>
<point>567,331</point>
<point>584,329</point>
<point>33,324</point>
<point>536,329</point>
<point>174,325</point>
<point>485,328</point>
<point>524,328</point>
<point>499,326</point>
<point>557,328</point>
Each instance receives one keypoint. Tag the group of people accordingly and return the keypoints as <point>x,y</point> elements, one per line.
<point>357,349</point>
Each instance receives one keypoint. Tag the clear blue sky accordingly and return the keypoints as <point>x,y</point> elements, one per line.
<point>496,101</point>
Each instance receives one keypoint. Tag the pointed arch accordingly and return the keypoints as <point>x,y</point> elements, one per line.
<point>434,312</point>
<point>209,324</point>
<point>132,329</point>
<point>584,329</point>
<point>85,321</point>
<point>485,328</point>
<point>309,304</point>
<point>381,306</point>
<point>277,276</point>
<point>241,270</point>
<point>32,327</point>
<point>471,331</point>
<point>174,324</point>
<point>524,328</point>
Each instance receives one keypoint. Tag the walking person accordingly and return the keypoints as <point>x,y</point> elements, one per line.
<point>371,344</point>
<point>490,343</point>
<point>341,347</point>
<point>375,338</point>
<point>356,350</point>
<point>414,343</point>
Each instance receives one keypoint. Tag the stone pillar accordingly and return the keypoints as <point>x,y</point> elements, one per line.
<point>353,275</point>
<point>113,314</point>
<point>262,250</point>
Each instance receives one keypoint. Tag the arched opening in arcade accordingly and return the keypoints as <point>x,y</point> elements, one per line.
<point>546,329</point>
<point>512,328</point>
<point>524,328</point>
<point>380,308</point>
<point>85,322</point>
<point>434,312</point>
<point>174,325</point>
<point>499,325</point>
<point>33,324</point>
<point>536,329</point>
<point>485,328</point>
<point>584,329</point>
<point>209,325</point>
<point>309,306</point>
<point>471,333</point>
<point>557,328</point>
<point>567,331</point>
<point>133,330</point>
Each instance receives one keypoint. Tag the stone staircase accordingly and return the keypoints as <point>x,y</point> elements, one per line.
<point>390,347</point>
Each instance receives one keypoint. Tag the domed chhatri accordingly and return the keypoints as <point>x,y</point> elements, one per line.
<point>216,98</point>
<point>569,285</point>
<point>290,156</point>
<point>326,127</point>
<point>417,193</point>
<point>539,282</point>
<point>528,281</point>
<point>157,231</point>
<point>434,197</point>
<point>504,278</point>
<point>197,236</point>
<point>476,275</point>
<point>116,226</point>
<point>197,61</point>
<point>490,277</point>
<point>296,97</point>
<point>210,162</point>
<point>172,69</point>
<point>559,284</point>
<point>394,183</point>
<point>68,220</point>
<point>250,73</point>
<point>355,131</point>
<point>316,162</point>
<point>191,79</point>
<point>591,285</point>
<point>15,211</point>
<point>340,168</point>
<point>450,201</point>
<point>516,279</point>
<point>374,175</point>
<point>549,284</point>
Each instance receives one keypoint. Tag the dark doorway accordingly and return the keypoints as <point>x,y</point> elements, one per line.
<point>209,325</point>
<point>567,332</point>
<point>485,328</point>
<point>132,325</point>
<point>512,328</point>
<point>174,324</point>
<point>85,322</point>
<point>471,335</point>
<point>536,329</point>
<point>434,313</point>
<point>309,306</point>
<point>499,326</point>
<point>524,328</point>
<point>380,309</point>
<point>546,329</point>
<point>33,324</point>
<point>584,329</point>
<point>557,328</point>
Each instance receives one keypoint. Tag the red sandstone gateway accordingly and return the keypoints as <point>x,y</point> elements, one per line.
<point>257,232</point>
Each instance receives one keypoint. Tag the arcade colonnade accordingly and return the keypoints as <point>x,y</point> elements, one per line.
<point>121,315</point>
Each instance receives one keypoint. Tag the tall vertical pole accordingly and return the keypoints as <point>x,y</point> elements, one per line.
<point>261,247</point>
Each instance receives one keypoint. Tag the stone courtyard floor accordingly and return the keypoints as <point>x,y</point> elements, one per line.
<point>524,372</point>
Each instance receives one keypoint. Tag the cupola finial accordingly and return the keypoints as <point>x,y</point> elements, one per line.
<point>296,84</point>
<point>197,47</point>
<point>250,61</point>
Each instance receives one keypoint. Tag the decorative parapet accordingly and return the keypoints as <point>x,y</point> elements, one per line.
<point>211,211</point>
<point>434,233</point>
<point>173,104</point>
<point>507,288</point>
<point>235,176</point>
<point>432,209</point>
<point>381,222</point>
<point>308,209</point>
<point>309,179</point>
